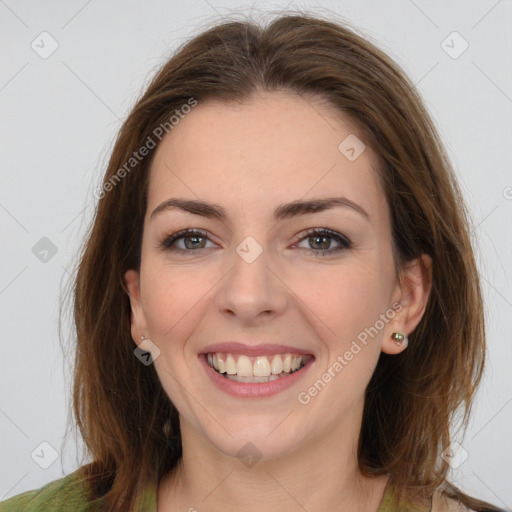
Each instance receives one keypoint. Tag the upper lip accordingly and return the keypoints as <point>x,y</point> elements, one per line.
<point>235,347</point>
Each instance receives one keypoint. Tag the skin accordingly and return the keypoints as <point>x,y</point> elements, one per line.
<point>249,158</point>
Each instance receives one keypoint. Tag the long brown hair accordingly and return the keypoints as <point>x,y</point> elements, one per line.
<point>129,426</point>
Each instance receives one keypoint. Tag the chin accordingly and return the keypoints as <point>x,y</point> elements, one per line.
<point>255,442</point>
<point>250,450</point>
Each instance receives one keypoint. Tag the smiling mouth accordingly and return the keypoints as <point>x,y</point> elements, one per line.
<point>264,368</point>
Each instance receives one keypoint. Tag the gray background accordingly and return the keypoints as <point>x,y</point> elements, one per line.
<point>59,116</point>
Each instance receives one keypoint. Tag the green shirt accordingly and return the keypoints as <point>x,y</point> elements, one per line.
<point>69,494</point>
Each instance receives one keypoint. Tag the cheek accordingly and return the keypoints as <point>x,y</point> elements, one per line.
<point>346,297</point>
<point>346,305</point>
<point>172,297</point>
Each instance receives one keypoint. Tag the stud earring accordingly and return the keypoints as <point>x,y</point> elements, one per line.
<point>143,338</point>
<point>400,338</point>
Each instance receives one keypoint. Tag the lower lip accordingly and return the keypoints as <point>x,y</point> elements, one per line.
<point>254,389</point>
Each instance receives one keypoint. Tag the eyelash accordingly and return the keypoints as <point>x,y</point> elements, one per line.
<point>344,242</point>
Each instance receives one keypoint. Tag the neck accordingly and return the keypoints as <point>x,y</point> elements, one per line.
<point>311,478</point>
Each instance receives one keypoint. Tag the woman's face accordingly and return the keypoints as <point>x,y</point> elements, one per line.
<point>259,281</point>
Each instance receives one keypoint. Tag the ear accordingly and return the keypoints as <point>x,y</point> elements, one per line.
<point>137,317</point>
<point>412,292</point>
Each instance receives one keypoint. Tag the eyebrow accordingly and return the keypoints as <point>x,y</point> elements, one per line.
<point>283,211</point>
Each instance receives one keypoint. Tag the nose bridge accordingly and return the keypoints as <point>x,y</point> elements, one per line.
<point>251,287</point>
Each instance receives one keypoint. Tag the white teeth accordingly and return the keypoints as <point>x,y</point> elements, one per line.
<point>244,367</point>
<point>230,365</point>
<point>252,379</point>
<point>261,368</point>
<point>295,363</point>
<point>220,362</point>
<point>287,363</point>
<point>277,365</point>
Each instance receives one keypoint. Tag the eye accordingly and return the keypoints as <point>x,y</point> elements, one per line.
<point>320,240</point>
<point>192,238</point>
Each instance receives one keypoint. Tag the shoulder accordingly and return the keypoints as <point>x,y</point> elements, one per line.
<point>443,503</point>
<point>445,500</point>
<point>66,493</point>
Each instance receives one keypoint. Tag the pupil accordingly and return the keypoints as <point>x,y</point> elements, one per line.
<point>195,239</point>
<point>320,238</point>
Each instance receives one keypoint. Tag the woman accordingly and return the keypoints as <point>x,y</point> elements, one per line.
<point>277,304</point>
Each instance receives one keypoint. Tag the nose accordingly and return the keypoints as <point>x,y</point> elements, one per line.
<point>251,290</point>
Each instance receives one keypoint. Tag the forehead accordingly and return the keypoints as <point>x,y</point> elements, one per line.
<point>275,147</point>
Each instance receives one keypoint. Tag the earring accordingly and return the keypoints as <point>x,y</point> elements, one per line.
<point>400,338</point>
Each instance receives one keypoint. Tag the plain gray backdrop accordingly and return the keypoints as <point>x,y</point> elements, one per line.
<point>70,73</point>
